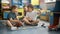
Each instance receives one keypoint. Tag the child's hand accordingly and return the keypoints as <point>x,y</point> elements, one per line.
<point>38,13</point>
<point>17,18</point>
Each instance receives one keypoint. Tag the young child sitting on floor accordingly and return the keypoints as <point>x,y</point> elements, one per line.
<point>25,9</point>
<point>13,21</point>
<point>31,16</point>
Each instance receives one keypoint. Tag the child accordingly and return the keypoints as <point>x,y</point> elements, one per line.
<point>25,9</point>
<point>13,21</point>
<point>31,16</point>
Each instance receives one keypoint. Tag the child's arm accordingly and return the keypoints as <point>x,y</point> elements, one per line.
<point>17,18</point>
<point>13,20</point>
<point>38,12</point>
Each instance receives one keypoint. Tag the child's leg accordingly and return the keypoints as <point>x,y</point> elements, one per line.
<point>35,22</point>
<point>26,21</point>
<point>9,23</point>
<point>19,23</point>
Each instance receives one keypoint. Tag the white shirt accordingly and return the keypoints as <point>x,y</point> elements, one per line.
<point>32,15</point>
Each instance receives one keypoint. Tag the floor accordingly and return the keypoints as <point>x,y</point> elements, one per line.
<point>29,29</point>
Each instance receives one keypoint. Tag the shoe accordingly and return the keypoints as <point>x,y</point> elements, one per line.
<point>14,28</point>
<point>43,25</point>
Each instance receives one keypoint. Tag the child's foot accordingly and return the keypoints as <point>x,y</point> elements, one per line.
<point>14,28</point>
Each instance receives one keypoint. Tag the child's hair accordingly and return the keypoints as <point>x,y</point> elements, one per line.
<point>13,7</point>
<point>31,6</point>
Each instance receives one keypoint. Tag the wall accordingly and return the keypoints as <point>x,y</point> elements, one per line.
<point>47,4</point>
<point>42,4</point>
<point>50,5</point>
<point>35,2</point>
<point>47,1</point>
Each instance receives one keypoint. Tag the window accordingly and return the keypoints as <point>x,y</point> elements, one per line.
<point>47,1</point>
<point>19,3</point>
<point>51,0</point>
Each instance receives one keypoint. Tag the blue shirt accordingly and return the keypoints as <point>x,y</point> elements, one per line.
<point>11,15</point>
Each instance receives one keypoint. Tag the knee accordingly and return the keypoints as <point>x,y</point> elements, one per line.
<point>24,19</point>
<point>37,20</point>
<point>8,21</point>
